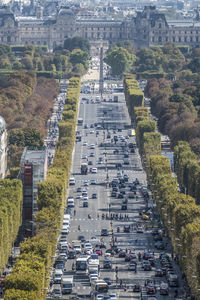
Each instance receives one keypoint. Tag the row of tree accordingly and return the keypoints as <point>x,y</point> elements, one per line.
<point>133,94</point>
<point>11,197</point>
<point>61,63</point>
<point>179,212</point>
<point>30,275</point>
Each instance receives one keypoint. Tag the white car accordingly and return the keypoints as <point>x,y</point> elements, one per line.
<point>113,296</point>
<point>85,144</point>
<point>92,154</point>
<point>88,246</point>
<point>72,181</point>
<point>85,198</point>
<point>94,170</point>
<point>93,181</point>
<point>85,183</point>
<point>91,131</point>
<point>84,157</point>
<point>99,297</point>
<point>84,190</point>
<point>92,146</point>
<point>93,278</point>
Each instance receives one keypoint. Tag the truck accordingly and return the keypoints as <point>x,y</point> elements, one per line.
<point>84,169</point>
<point>67,283</point>
<point>93,266</point>
<point>115,98</point>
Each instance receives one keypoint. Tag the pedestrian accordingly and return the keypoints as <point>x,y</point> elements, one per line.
<point>74,212</point>
<point>121,283</point>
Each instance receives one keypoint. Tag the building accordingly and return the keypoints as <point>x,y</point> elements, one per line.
<point>34,165</point>
<point>148,28</point>
<point>3,148</point>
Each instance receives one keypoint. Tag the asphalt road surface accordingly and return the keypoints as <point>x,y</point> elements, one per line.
<point>100,120</point>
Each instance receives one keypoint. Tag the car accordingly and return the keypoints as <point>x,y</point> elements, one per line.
<point>85,143</point>
<point>86,126</point>
<point>92,154</point>
<point>132,267</point>
<point>93,278</point>
<point>140,229</point>
<point>91,131</point>
<point>100,297</point>
<point>107,264</point>
<point>56,291</point>
<point>85,204</point>
<point>158,273</point>
<point>136,288</point>
<point>84,156</point>
<point>92,146</point>
<point>164,288</point>
<point>104,232</point>
<point>160,245</point>
<point>131,145</point>
<point>113,194</point>
<point>79,189</point>
<point>150,287</point>
<point>71,254</point>
<point>93,181</point>
<point>122,253</point>
<point>127,228</point>
<point>94,196</point>
<point>85,183</point>
<point>147,266</point>
<point>72,181</point>
<point>107,280</point>
<point>157,237</point>
<point>124,207</point>
<point>85,197</point>
<point>132,150</point>
<point>99,252</point>
<point>94,170</point>
<point>113,296</point>
<point>90,163</point>
<point>120,196</point>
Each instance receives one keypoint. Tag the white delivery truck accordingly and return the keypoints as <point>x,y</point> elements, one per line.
<point>67,284</point>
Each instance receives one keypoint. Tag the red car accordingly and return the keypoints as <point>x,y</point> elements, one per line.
<point>99,252</point>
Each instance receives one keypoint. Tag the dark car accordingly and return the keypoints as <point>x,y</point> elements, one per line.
<point>164,289</point>
<point>107,264</point>
<point>104,232</point>
<point>131,145</point>
<point>158,273</point>
<point>127,228</point>
<point>136,288</point>
<point>157,237</point>
<point>118,165</point>
<point>154,231</point>
<point>120,196</point>
<point>122,253</point>
<point>159,245</point>
<point>147,266</point>
<point>85,204</point>
<point>113,194</point>
<point>94,196</point>
<point>72,254</point>
<point>124,207</point>
<point>107,280</point>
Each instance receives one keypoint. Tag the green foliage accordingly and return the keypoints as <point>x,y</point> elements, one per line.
<point>10,216</point>
<point>26,137</point>
<point>79,57</point>
<point>77,43</point>
<point>133,94</point>
<point>120,60</point>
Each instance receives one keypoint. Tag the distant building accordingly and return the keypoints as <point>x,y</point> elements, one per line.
<point>148,28</point>
<point>3,148</point>
<point>34,165</point>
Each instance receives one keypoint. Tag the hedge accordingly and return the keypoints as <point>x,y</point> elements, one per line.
<point>31,276</point>
<point>11,195</point>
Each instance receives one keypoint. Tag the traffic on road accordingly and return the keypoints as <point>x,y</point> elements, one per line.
<point>112,244</point>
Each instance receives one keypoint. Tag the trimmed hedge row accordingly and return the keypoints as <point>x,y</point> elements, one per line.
<point>31,272</point>
<point>133,94</point>
<point>187,168</point>
<point>11,195</point>
<point>179,213</point>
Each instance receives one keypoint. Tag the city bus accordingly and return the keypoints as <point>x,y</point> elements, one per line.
<point>82,265</point>
<point>98,287</point>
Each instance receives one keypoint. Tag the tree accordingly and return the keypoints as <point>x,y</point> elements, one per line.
<point>77,42</point>
<point>79,57</point>
<point>120,60</point>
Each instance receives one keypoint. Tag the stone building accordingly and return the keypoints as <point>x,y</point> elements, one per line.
<point>3,148</point>
<point>148,28</point>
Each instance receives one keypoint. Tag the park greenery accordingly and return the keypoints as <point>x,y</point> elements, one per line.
<point>30,275</point>
<point>179,212</point>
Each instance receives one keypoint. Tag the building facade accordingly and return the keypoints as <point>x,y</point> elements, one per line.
<point>34,165</point>
<point>3,148</point>
<point>148,28</point>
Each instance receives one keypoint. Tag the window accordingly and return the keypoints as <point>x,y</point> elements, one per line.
<point>185,32</point>
<point>153,39</point>
<point>160,25</point>
<point>173,32</point>
<point>179,39</point>
<point>197,39</point>
<point>173,39</point>
<point>111,35</point>
<point>191,39</point>
<point>185,39</point>
<point>86,35</point>
<point>191,32</point>
<point>166,39</point>
<point>159,39</point>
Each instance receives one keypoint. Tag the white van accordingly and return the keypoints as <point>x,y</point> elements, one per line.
<point>72,181</point>
<point>66,217</point>
<point>70,202</point>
